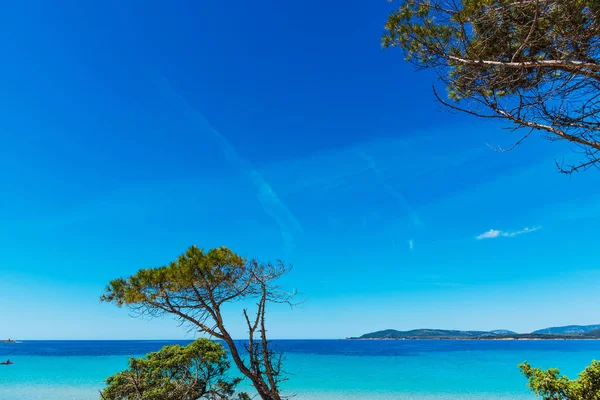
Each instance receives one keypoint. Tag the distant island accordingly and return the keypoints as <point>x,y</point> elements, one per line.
<point>570,332</point>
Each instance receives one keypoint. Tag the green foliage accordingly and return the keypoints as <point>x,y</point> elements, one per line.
<point>218,269</point>
<point>193,289</point>
<point>550,385</point>
<point>434,32</point>
<point>533,63</point>
<point>195,371</point>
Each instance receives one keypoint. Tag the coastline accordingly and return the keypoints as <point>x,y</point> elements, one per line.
<point>476,339</point>
<point>379,369</point>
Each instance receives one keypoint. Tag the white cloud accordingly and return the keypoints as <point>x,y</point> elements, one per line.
<point>495,233</point>
<point>411,244</point>
<point>492,233</point>
<point>526,230</point>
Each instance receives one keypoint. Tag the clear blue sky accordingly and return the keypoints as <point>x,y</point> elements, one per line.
<point>281,130</point>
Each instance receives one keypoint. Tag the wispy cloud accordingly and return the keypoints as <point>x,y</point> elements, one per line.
<point>392,191</point>
<point>411,244</point>
<point>271,203</point>
<point>495,233</point>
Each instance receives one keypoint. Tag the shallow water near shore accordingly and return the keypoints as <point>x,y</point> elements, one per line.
<point>318,369</point>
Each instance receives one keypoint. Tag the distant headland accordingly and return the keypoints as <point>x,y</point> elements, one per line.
<point>569,332</point>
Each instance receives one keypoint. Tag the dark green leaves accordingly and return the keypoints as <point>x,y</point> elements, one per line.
<point>216,270</point>
<point>193,288</point>
<point>533,63</point>
<point>550,385</point>
<point>195,371</point>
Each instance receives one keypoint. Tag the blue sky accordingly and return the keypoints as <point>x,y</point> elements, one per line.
<point>281,130</point>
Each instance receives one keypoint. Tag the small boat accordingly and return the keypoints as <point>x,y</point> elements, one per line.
<point>7,362</point>
<point>8,341</point>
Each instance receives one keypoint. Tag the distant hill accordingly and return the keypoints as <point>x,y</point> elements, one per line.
<point>430,333</point>
<point>562,332</point>
<point>594,333</point>
<point>503,332</point>
<point>567,330</point>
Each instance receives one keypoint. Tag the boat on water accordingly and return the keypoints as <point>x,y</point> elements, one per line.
<point>7,362</point>
<point>9,340</point>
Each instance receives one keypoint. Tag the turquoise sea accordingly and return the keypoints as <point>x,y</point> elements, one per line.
<point>318,369</point>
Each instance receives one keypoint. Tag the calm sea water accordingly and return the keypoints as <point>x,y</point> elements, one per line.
<point>319,369</point>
